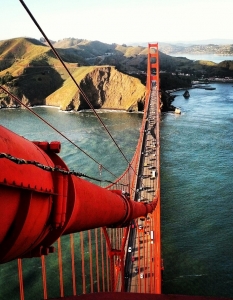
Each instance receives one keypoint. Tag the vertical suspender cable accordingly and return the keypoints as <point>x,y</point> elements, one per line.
<point>107,267</point>
<point>60,267</point>
<point>73,263</point>
<point>43,270</point>
<point>90,259</point>
<point>20,274</point>
<point>102,259</point>
<point>97,259</point>
<point>83,263</point>
<point>140,264</point>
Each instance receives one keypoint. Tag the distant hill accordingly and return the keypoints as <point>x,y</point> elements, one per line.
<point>219,49</point>
<point>98,48</point>
<point>33,72</point>
<point>205,42</point>
<point>188,43</point>
<point>19,52</point>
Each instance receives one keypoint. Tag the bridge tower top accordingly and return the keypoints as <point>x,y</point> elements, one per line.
<point>153,66</point>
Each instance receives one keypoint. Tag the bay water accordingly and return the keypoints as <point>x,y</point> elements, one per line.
<point>197,198</point>
<point>196,177</point>
<point>85,131</point>
<point>208,57</point>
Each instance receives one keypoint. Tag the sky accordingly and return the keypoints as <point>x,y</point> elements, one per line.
<point>119,21</point>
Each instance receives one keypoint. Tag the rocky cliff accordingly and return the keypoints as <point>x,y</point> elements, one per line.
<point>104,86</point>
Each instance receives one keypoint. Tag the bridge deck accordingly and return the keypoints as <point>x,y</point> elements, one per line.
<point>141,271</point>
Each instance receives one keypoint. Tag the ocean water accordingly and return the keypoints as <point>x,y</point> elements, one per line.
<point>85,131</point>
<point>209,57</point>
<point>196,178</point>
<point>196,187</point>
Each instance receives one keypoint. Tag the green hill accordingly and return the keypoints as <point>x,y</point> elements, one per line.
<point>32,72</point>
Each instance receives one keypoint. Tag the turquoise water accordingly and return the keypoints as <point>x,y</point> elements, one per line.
<point>196,178</point>
<point>196,183</point>
<point>85,131</point>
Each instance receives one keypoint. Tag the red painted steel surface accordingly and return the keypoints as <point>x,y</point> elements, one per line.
<point>38,206</point>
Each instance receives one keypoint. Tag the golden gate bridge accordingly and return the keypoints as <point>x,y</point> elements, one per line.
<point>43,203</point>
<point>78,240</point>
<point>83,239</point>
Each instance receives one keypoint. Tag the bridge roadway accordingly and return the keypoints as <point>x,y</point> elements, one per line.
<point>140,261</point>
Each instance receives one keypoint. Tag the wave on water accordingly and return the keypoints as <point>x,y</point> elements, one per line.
<point>44,106</point>
<point>192,275</point>
<point>105,110</point>
<point>184,276</point>
<point>98,111</point>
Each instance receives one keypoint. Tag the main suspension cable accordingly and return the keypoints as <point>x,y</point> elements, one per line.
<point>71,76</point>
<point>21,161</point>
<point>59,132</point>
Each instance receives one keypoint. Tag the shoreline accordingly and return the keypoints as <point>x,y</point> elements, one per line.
<point>196,87</point>
<point>99,110</point>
